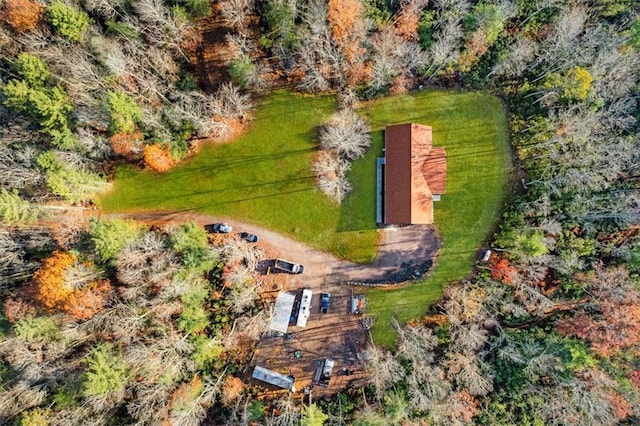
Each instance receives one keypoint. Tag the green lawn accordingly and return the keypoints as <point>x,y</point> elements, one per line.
<point>473,129</point>
<point>263,178</point>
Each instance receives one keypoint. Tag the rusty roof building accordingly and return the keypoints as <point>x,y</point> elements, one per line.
<point>415,175</point>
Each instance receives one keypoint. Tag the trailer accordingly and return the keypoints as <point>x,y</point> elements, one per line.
<point>305,308</point>
<point>274,378</point>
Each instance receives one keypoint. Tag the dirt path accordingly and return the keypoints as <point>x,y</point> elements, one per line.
<point>211,65</point>
<point>402,252</point>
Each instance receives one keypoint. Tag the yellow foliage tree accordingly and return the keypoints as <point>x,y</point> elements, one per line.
<point>574,84</point>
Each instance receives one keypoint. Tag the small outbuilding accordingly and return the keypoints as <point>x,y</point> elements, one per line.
<point>411,175</point>
<point>282,312</point>
<point>274,378</point>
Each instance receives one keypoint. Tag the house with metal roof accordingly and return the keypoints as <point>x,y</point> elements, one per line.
<point>411,175</point>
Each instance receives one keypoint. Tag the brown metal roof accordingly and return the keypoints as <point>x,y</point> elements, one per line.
<point>414,171</point>
<point>435,170</point>
<point>397,174</point>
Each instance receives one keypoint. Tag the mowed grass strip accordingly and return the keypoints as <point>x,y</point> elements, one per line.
<point>473,127</point>
<point>263,178</point>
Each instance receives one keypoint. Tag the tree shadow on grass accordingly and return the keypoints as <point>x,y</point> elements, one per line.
<point>358,209</point>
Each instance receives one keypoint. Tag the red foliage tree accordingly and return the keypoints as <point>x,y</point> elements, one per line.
<point>22,15</point>
<point>157,157</point>
<point>16,308</point>
<point>126,144</point>
<point>611,319</point>
<point>501,270</point>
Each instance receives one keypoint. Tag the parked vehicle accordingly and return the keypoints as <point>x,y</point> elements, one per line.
<point>323,372</point>
<point>251,238</point>
<point>285,265</point>
<point>218,228</point>
<point>324,303</point>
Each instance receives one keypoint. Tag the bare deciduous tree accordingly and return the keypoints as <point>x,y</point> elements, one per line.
<point>347,133</point>
<point>145,262</point>
<point>469,372</point>
<point>236,12</point>
<point>289,413</point>
<point>331,173</point>
<point>16,168</point>
<point>244,292</point>
<point>21,397</point>
<point>108,9</point>
<point>517,59</point>
<point>384,369</point>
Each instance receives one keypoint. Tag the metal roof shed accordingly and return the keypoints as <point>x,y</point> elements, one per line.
<point>273,378</point>
<point>282,312</point>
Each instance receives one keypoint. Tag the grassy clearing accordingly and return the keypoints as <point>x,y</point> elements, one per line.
<point>262,178</point>
<point>473,129</point>
<point>265,178</point>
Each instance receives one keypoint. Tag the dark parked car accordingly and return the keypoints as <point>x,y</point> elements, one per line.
<point>252,238</point>
<point>324,302</point>
<point>218,228</point>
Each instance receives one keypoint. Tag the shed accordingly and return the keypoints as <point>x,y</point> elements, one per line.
<point>282,312</point>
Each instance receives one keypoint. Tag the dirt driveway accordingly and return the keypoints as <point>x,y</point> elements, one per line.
<point>338,334</point>
<point>402,252</point>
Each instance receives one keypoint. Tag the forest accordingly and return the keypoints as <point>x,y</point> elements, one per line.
<point>109,321</point>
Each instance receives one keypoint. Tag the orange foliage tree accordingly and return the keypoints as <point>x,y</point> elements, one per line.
<point>634,378</point>
<point>231,390</point>
<point>407,19</point>
<point>50,291</point>
<point>611,319</point>
<point>22,15</point>
<point>346,20</point>
<point>157,157</point>
<point>186,393</point>
<point>462,406</point>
